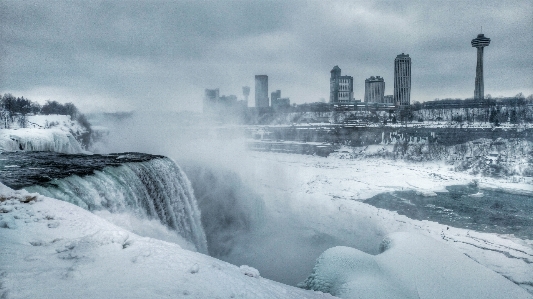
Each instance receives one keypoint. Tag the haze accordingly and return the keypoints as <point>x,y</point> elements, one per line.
<point>121,55</point>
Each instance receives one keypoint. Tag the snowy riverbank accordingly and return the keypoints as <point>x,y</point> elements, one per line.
<point>53,249</point>
<point>56,133</point>
<point>298,206</point>
<point>326,194</point>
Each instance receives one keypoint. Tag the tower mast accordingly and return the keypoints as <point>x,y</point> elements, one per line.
<point>480,42</point>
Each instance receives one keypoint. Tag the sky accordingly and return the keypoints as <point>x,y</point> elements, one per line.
<point>161,55</point>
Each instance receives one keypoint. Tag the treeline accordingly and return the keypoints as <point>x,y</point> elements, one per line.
<point>16,109</point>
<point>12,105</point>
<point>514,110</point>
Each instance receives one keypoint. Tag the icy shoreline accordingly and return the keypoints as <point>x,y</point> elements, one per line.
<point>328,192</point>
<point>50,246</point>
<point>318,197</point>
<point>54,133</point>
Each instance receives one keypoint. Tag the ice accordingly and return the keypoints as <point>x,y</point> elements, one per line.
<point>411,266</point>
<point>7,221</point>
<point>136,194</point>
<point>54,140</point>
<point>314,201</point>
<point>85,256</point>
<point>249,271</point>
<point>45,133</point>
<point>308,202</point>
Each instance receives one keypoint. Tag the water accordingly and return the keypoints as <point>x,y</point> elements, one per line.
<point>465,207</point>
<point>23,169</point>
<point>146,186</point>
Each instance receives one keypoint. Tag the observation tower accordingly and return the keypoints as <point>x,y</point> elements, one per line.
<point>480,42</point>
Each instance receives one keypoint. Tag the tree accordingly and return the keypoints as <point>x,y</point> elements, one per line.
<point>513,117</point>
<point>417,106</point>
<point>493,116</point>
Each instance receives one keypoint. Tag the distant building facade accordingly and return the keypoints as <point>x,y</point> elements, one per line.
<point>228,100</point>
<point>340,87</point>
<point>261,91</point>
<point>223,107</point>
<point>274,96</point>
<point>402,80</point>
<point>246,93</point>
<point>211,97</point>
<point>374,90</point>
<point>281,103</point>
<point>388,99</point>
<point>277,102</point>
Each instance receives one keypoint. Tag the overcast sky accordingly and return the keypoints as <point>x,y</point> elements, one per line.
<point>126,55</point>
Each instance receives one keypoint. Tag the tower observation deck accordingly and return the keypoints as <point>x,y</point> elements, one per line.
<point>480,42</point>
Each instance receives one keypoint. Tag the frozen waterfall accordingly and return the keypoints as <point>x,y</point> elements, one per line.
<point>155,189</point>
<point>53,140</point>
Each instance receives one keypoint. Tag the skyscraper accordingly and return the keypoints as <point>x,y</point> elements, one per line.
<point>340,87</point>
<point>374,90</point>
<point>261,91</point>
<point>211,98</point>
<point>246,93</point>
<point>274,96</point>
<point>480,42</point>
<point>402,80</point>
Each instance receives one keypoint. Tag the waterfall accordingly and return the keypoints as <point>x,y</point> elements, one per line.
<point>155,189</point>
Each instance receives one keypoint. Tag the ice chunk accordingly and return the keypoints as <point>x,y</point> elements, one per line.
<point>8,221</point>
<point>249,271</point>
<point>410,266</point>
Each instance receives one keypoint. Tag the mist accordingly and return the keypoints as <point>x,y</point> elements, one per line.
<point>248,215</point>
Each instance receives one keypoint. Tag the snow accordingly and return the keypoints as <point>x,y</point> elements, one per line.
<point>44,133</point>
<point>312,199</point>
<point>49,246</point>
<point>55,120</point>
<point>57,250</point>
<point>325,195</point>
<point>54,140</point>
<point>411,266</point>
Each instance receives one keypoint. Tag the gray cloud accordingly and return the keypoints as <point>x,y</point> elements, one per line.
<point>122,54</point>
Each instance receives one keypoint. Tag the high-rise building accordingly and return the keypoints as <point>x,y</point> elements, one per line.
<point>261,91</point>
<point>222,106</point>
<point>277,102</point>
<point>274,96</point>
<point>246,93</point>
<point>480,42</point>
<point>374,89</point>
<point>340,87</point>
<point>402,80</point>
<point>211,97</point>
<point>283,103</point>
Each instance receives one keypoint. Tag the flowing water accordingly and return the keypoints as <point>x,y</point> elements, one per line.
<point>465,207</point>
<point>148,186</point>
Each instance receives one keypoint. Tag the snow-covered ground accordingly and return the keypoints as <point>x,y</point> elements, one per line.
<point>326,194</point>
<point>53,249</point>
<point>396,272</point>
<point>310,204</point>
<point>313,203</point>
<point>44,133</point>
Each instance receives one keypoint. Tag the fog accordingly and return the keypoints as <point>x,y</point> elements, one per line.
<point>247,213</point>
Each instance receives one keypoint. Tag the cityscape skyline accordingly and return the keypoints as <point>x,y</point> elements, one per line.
<point>106,56</point>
